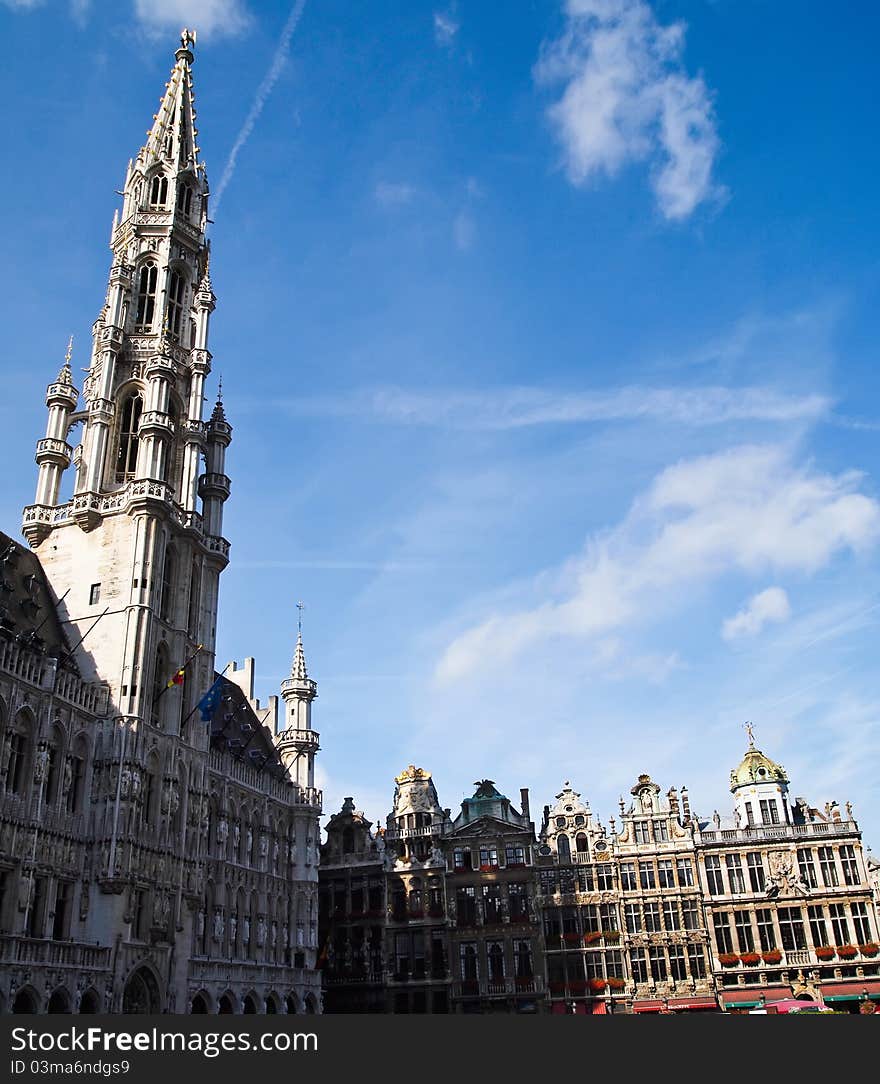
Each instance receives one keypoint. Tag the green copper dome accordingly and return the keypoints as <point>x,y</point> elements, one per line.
<point>756,768</point>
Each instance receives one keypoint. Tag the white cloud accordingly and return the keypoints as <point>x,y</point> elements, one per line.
<point>771,605</point>
<point>208,17</point>
<point>23,5</point>
<point>517,408</point>
<point>749,509</point>
<point>393,193</point>
<point>445,27</point>
<point>627,98</point>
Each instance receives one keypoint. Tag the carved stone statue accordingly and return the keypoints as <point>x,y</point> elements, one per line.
<point>249,842</point>
<point>233,927</point>
<point>200,924</point>
<point>264,847</point>
<point>236,836</point>
<point>246,930</point>
<point>261,931</point>
<point>222,831</point>
<point>647,801</point>
<point>219,925</point>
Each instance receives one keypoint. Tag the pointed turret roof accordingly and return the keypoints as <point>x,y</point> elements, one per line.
<point>65,376</point>
<point>173,134</point>
<point>298,671</point>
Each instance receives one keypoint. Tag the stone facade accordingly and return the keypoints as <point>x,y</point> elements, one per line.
<point>159,828</point>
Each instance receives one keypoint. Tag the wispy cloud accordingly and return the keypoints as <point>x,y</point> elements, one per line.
<point>446,26</point>
<point>628,98</point>
<point>749,509</point>
<point>464,230</point>
<point>260,98</point>
<point>517,408</point>
<point>768,606</point>
<point>390,194</point>
<point>208,17</point>
<point>22,5</point>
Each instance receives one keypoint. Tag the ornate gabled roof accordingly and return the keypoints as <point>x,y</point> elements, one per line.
<point>569,801</point>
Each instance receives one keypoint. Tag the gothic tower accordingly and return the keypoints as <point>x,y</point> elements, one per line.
<point>139,546</point>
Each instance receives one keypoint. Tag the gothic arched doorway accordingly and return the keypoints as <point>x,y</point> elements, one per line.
<point>59,1002</point>
<point>224,1005</point>
<point>250,1005</point>
<point>141,994</point>
<point>199,1005</point>
<point>25,1001</point>
<point>89,1002</point>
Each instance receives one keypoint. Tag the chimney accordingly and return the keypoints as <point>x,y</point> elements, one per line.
<point>524,800</point>
<point>685,804</point>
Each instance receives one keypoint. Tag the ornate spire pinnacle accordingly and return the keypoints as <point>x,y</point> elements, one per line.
<point>219,414</point>
<point>750,732</point>
<point>65,376</point>
<point>173,134</point>
<point>298,671</point>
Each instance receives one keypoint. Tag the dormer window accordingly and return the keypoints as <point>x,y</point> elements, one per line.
<point>159,191</point>
<point>146,297</point>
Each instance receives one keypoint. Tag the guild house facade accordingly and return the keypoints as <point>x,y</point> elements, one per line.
<point>159,827</point>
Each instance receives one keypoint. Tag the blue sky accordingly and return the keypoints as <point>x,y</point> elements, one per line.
<point>550,346</point>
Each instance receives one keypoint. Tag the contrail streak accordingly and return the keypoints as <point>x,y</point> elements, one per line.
<point>260,98</point>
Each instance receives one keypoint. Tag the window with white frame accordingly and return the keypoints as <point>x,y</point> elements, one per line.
<point>685,870</point>
<point>818,926</point>
<point>723,936</point>
<point>677,965</point>
<point>735,873</point>
<point>665,877</point>
<point>652,918</point>
<point>628,876</point>
<point>766,931</point>
<point>690,914</point>
<point>640,828</point>
<point>671,917</point>
<point>657,959</point>
<point>807,867</point>
<point>791,928</point>
<point>647,878</point>
<point>661,831</point>
<point>744,935</point>
<point>828,867</point>
<point>639,965</point>
<point>713,875</point>
<point>697,961</point>
<point>755,861</point>
<point>849,865</point>
<point>769,811</point>
<point>861,922</point>
<point>839,924</point>
<point>632,914</point>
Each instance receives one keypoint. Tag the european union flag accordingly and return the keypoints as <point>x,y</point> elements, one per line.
<point>208,704</point>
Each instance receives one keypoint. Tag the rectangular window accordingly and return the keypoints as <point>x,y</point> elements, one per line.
<point>614,964</point>
<point>766,933</point>
<point>94,594</point>
<point>518,901</point>
<point>491,903</point>
<point>769,811</point>
<point>514,856</point>
<point>685,869</point>
<point>839,924</point>
<point>861,922</point>
<point>140,915</point>
<point>713,875</point>
<point>593,961</point>
<point>467,959</point>
<point>646,875</point>
<point>755,862</point>
<point>661,831</point>
<point>807,867</point>
<point>641,831</point>
<point>522,959</point>
<point>639,965</point>
<point>609,916</point>
<point>818,926</point>
<point>590,918</point>
<point>585,879</point>
<point>671,919</point>
<point>652,918</point>
<point>697,961</point>
<point>633,917</point>
<point>677,966</point>
<point>495,960</point>
<point>461,858</point>
<point>735,873</point>
<point>829,869</point>
<point>36,907</point>
<point>743,922</point>
<point>488,857</point>
<point>723,937</point>
<point>569,920</point>
<point>549,882</point>
<point>849,865</point>
<point>466,906</point>
<point>791,928</point>
<point>552,923</point>
<point>605,877</point>
<point>657,957</point>
<point>750,815</point>
<point>628,876</point>
<point>690,914</point>
<point>665,877</point>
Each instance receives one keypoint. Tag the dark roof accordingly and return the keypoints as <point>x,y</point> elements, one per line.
<point>236,729</point>
<point>28,608</point>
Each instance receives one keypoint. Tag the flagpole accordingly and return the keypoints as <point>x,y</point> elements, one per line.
<point>178,671</point>
<point>196,708</point>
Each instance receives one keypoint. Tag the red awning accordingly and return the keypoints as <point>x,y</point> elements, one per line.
<point>680,1004</point>
<point>744,996</point>
<point>647,1006</point>
<point>850,990</point>
<point>599,1009</point>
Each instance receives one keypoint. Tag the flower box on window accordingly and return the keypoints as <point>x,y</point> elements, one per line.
<point>869,949</point>
<point>611,935</point>
<point>615,983</point>
<point>846,952</point>
<point>591,938</point>
<point>750,958</point>
<point>824,952</point>
<point>597,985</point>
<point>728,959</point>
<point>488,868</point>
<point>772,956</point>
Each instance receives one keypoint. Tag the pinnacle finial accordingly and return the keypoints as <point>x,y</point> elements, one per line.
<point>299,623</point>
<point>65,376</point>
<point>750,732</point>
<point>187,37</point>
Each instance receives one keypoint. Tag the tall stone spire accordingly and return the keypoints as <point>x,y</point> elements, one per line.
<point>172,138</point>
<point>297,742</point>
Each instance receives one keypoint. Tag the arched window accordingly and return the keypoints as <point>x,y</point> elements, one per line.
<point>150,792</point>
<point>581,843</point>
<point>193,618</point>
<point>169,569</point>
<point>160,680</point>
<point>159,190</point>
<point>184,199</point>
<point>15,755</point>
<point>126,458</point>
<point>176,290</point>
<point>54,758</point>
<point>74,777</point>
<point>146,297</point>
<point>563,847</point>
